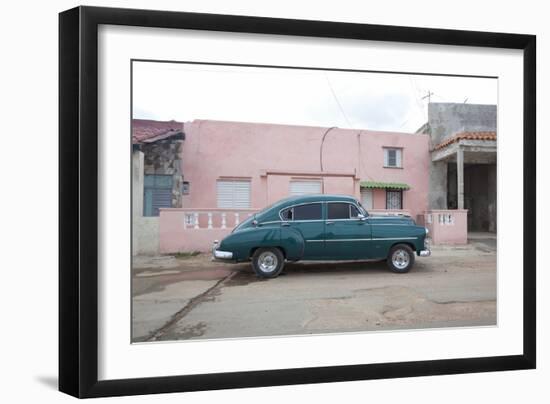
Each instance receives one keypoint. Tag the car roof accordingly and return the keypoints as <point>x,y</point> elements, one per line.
<point>272,212</point>
<point>293,200</point>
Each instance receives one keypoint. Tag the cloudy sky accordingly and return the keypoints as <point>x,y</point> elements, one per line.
<point>375,101</point>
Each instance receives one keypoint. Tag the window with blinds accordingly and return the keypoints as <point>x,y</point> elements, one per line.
<point>233,194</point>
<point>305,187</point>
<point>157,193</point>
<point>392,157</point>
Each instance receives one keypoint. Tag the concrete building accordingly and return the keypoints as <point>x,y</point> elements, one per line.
<point>157,179</point>
<point>463,148</point>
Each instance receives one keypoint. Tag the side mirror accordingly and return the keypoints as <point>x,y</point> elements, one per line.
<point>362,217</point>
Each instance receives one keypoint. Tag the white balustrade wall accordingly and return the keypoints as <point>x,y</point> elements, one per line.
<point>185,230</point>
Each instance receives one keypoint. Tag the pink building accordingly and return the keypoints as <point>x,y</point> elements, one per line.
<point>248,165</point>
<point>198,179</point>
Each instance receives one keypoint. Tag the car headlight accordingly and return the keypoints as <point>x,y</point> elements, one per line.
<point>427,231</point>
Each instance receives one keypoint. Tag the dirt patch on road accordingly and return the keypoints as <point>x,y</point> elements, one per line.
<point>148,280</point>
<point>394,307</point>
<point>187,332</point>
<point>244,277</point>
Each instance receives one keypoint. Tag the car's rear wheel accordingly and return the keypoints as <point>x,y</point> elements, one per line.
<point>401,258</point>
<point>268,262</point>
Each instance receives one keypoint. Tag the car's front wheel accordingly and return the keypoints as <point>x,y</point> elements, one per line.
<point>268,262</point>
<point>401,258</point>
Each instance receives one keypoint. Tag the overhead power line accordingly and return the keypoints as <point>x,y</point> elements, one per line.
<point>337,101</point>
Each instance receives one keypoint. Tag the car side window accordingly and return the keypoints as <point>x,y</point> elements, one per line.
<point>286,214</point>
<point>342,210</point>
<point>312,211</point>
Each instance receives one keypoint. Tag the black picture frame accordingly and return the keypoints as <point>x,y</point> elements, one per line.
<point>78,201</point>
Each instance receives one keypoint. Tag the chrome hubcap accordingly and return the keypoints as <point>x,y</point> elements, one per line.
<point>267,261</point>
<point>400,259</point>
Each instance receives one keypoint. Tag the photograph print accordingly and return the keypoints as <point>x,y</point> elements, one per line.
<point>286,201</point>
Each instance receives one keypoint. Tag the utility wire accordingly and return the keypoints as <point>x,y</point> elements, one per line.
<point>337,101</point>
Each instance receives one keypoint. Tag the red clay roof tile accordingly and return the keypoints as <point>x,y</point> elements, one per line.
<point>146,130</point>
<point>467,135</point>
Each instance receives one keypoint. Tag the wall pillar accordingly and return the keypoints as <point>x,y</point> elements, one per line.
<point>137,197</point>
<point>460,177</point>
<point>137,183</point>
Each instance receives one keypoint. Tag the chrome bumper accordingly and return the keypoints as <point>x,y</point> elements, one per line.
<point>426,252</point>
<point>220,255</point>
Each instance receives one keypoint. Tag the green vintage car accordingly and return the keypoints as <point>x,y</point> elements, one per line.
<point>322,227</point>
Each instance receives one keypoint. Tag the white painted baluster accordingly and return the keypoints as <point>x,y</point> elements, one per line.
<point>223,220</point>
<point>209,220</point>
<point>237,219</point>
<point>196,215</point>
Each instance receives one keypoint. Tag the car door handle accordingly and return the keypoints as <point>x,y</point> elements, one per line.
<point>285,224</point>
<point>329,222</point>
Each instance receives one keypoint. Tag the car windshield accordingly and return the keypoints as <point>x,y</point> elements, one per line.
<point>362,210</point>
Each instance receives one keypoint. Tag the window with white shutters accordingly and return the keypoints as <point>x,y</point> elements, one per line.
<point>392,157</point>
<point>233,194</point>
<point>305,187</point>
<point>367,198</point>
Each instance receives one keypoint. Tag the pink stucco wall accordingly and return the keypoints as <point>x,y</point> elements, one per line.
<point>379,199</point>
<point>175,236</point>
<point>446,226</point>
<point>270,156</point>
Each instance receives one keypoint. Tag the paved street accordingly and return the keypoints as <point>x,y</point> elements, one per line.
<point>192,297</point>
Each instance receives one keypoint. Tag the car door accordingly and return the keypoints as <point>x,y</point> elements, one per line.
<point>307,220</point>
<point>347,236</point>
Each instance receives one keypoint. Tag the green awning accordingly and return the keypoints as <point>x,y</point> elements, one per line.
<point>384,185</point>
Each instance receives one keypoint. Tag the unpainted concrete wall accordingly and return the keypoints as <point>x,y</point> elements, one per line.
<point>448,119</point>
<point>145,235</point>
<point>480,191</point>
<point>145,230</point>
<point>164,158</point>
<point>438,185</point>
<point>444,121</point>
<point>492,190</point>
